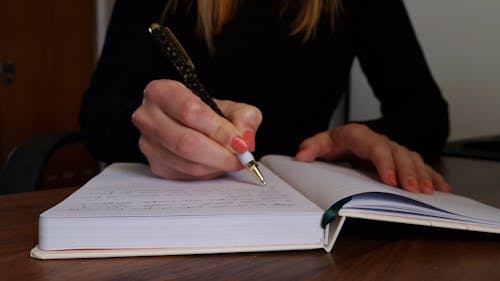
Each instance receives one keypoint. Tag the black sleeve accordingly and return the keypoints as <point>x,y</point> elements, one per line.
<point>414,112</point>
<point>125,67</point>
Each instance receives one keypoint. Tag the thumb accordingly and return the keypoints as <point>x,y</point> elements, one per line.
<point>246,118</point>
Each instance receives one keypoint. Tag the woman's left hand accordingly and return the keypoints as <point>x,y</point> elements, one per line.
<point>395,164</point>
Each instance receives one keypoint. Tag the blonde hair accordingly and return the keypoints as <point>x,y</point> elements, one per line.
<point>213,15</point>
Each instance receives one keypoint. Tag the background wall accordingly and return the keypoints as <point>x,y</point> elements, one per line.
<point>104,8</point>
<point>461,41</point>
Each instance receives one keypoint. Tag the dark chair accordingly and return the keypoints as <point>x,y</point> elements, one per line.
<point>26,162</point>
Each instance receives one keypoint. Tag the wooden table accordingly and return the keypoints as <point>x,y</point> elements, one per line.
<point>365,250</point>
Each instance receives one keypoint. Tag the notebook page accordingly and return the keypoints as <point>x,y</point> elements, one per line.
<point>390,204</point>
<point>129,189</point>
<point>326,183</point>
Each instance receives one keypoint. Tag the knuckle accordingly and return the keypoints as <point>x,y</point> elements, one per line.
<point>155,131</point>
<point>399,151</point>
<point>142,122</point>
<point>151,88</point>
<point>190,110</point>
<point>377,149</point>
<point>137,117</point>
<point>354,133</point>
<point>149,129</point>
<point>385,138</point>
<point>252,113</point>
<point>356,129</point>
<point>171,86</point>
<point>416,157</point>
<point>143,146</point>
<point>151,98</point>
<point>221,134</point>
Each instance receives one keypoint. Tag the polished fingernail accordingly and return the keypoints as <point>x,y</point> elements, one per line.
<point>427,187</point>
<point>239,145</point>
<point>249,138</point>
<point>392,179</point>
<point>412,184</point>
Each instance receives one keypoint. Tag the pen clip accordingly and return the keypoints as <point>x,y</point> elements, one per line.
<point>171,36</point>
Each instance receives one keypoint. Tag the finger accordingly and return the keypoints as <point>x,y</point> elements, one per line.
<point>165,164</point>
<point>405,168</point>
<point>249,138</point>
<point>367,145</point>
<point>356,139</point>
<point>438,181</point>
<point>181,140</point>
<point>178,102</point>
<point>423,175</point>
<point>308,151</point>
<point>382,158</point>
<point>246,118</point>
<point>317,146</point>
<point>242,115</point>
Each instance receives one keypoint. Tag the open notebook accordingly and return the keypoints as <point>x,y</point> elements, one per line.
<point>126,211</point>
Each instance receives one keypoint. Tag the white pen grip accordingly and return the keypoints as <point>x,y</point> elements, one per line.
<point>245,157</point>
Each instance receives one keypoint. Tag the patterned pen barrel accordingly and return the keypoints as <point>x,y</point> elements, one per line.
<point>173,51</point>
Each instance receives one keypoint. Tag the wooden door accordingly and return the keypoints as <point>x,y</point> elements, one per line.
<point>51,45</point>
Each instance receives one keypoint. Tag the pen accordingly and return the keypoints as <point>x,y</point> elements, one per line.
<point>175,53</point>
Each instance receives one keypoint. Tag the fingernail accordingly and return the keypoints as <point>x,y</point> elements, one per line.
<point>427,187</point>
<point>239,145</point>
<point>249,138</point>
<point>392,179</point>
<point>412,184</point>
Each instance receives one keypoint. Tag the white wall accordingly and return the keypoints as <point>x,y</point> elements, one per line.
<point>461,41</point>
<point>103,13</point>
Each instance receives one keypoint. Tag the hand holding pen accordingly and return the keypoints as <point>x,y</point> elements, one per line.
<point>183,137</point>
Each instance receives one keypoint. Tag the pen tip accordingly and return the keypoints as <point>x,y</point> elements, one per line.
<point>254,168</point>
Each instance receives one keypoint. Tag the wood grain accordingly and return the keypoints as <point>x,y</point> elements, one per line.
<point>366,250</point>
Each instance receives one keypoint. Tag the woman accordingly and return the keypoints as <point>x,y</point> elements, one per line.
<point>278,69</point>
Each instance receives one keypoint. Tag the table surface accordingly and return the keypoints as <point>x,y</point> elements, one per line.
<point>365,250</point>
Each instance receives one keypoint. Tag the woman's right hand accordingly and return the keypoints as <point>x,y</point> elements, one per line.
<point>183,138</point>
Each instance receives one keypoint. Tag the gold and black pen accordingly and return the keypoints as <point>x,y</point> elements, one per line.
<point>175,53</point>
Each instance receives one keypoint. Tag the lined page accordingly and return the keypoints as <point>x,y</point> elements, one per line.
<point>129,189</point>
<point>326,183</point>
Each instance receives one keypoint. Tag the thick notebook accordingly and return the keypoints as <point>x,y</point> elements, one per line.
<point>126,211</point>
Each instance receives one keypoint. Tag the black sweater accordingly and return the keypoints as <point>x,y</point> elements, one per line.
<point>256,61</point>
